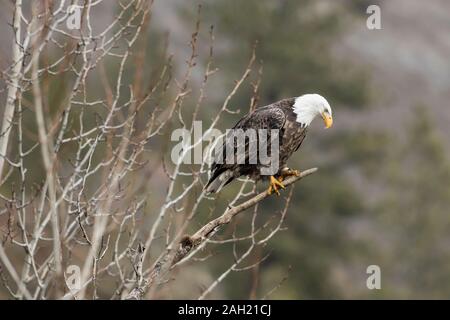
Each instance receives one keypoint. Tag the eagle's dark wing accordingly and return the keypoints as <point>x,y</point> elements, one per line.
<point>269,117</point>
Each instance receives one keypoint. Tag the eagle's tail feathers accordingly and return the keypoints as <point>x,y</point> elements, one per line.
<point>216,184</point>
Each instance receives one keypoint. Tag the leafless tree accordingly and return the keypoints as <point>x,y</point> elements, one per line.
<point>93,155</point>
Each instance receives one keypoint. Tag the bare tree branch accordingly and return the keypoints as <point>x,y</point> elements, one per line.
<point>188,243</point>
<point>13,86</point>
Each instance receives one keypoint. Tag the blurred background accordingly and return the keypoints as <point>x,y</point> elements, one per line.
<point>382,192</point>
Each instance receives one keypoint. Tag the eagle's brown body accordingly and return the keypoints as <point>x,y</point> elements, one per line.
<point>278,115</point>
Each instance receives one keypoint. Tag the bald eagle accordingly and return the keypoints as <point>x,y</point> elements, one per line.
<point>289,117</point>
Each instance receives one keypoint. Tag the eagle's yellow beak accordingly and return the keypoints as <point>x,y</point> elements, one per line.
<point>327,119</point>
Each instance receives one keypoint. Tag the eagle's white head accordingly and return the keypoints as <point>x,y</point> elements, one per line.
<point>308,106</point>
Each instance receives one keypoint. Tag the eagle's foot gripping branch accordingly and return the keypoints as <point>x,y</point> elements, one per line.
<point>274,185</point>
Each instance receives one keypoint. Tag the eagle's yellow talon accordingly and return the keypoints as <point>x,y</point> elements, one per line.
<point>274,184</point>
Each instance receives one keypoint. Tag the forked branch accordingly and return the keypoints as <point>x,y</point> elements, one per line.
<point>188,243</point>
